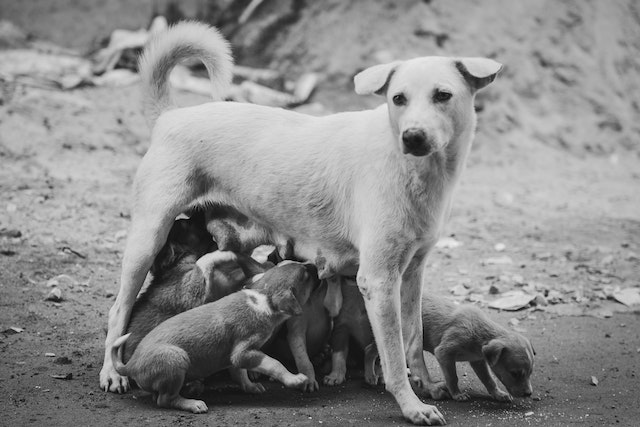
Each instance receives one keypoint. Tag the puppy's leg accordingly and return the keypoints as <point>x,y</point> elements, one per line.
<point>371,377</point>
<point>340,349</point>
<point>447,361</point>
<point>411,295</point>
<point>482,371</point>
<point>151,219</point>
<point>242,378</point>
<point>178,402</point>
<point>256,360</point>
<point>379,280</point>
<point>297,339</point>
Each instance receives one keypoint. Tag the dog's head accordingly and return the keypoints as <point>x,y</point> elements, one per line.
<point>288,285</point>
<point>430,99</point>
<point>511,359</point>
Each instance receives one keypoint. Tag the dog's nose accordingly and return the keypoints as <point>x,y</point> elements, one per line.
<point>415,142</point>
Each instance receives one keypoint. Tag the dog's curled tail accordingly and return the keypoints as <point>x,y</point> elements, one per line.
<point>166,49</point>
<point>116,355</point>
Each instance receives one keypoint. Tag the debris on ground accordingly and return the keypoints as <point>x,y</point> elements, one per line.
<point>115,65</point>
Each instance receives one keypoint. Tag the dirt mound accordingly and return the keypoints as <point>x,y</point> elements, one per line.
<point>572,67</point>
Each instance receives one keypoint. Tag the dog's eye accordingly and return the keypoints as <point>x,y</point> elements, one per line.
<point>399,100</point>
<point>442,96</point>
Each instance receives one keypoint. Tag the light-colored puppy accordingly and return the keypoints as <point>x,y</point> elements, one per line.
<point>218,335</point>
<point>365,192</point>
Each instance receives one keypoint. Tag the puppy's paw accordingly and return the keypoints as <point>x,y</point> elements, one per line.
<point>502,396</point>
<point>461,396</point>
<point>296,381</point>
<point>373,378</point>
<point>112,381</point>
<point>254,376</point>
<point>253,388</point>
<point>197,406</point>
<point>438,390</point>
<point>311,385</point>
<point>423,414</point>
<point>334,378</point>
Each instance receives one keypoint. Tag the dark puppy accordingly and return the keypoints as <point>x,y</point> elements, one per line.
<point>352,321</point>
<point>215,336</point>
<point>187,273</point>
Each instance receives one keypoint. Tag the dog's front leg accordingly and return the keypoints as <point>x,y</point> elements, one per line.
<point>297,339</point>
<point>482,371</point>
<point>379,282</point>
<point>411,294</point>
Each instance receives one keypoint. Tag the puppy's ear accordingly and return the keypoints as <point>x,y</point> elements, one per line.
<point>285,302</point>
<point>375,79</point>
<point>492,351</point>
<point>478,72</point>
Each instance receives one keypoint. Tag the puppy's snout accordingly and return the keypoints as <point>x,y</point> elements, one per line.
<point>415,142</point>
<point>312,270</point>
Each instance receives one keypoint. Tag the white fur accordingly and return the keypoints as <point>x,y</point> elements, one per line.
<point>257,301</point>
<point>208,262</point>
<point>340,187</point>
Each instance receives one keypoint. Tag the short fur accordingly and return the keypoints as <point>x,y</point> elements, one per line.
<point>350,191</point>
<point>456,333</point>
<point>218,335</point>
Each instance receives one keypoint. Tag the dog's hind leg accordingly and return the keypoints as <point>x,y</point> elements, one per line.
<point>158,202</point>
<point>379,280</point>
<point>411,297</point>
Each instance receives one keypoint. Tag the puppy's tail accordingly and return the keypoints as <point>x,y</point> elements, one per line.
<point>116,355</point>
<point>166,49</point>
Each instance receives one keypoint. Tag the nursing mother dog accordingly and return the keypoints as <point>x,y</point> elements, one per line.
<point>364,192</point>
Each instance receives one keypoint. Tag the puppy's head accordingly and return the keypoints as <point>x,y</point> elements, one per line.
<point>511,359</point>
<point>289,278</point>
<point>430,99</point>
<point>188,237</point>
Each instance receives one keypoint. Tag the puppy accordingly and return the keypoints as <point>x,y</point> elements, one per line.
<point>364,192</point>
<point>456,333</point>
<point>228,332</point>
<point>352,321</point>
<point>304,337</point>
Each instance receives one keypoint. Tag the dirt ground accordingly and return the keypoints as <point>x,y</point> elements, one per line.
<point>568,219</point>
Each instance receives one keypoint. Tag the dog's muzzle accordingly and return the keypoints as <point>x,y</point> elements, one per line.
<point>415,142</point>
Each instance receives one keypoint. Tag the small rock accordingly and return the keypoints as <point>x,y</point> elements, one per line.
<point>540,300</point>
<point>61,280</point>
<point>500,247</point>
<point>627,296</point>
<point>49,355</point>
<point>512,301</point>
<point>11,233</point>
<point>63,360</point>
<point>528,414</point>
<point>448,243</point>
<point>502,260</point>
<point>54,295</point>
<point>607,260</point>
<point>12,330</point>
<point>68,376</point>
<point>460,290</point>
<point>594,381</point>
<point>513,322</point>
<point>536,398</point>
<point>494,290</point>
<point>120,235</point>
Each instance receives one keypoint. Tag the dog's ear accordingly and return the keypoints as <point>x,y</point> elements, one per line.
<point>285,302</point>
<point>478,72</point>
<point>492,351</point>
<point>375,79</point>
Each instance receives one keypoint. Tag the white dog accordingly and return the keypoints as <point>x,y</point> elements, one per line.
<point>365,191</point>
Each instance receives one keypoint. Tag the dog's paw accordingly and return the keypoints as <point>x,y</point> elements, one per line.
<point>112,381</point>
<point>296,381</point>
<point>334,378</point>
<point>253,388</point>
<point>461,396</point>
<point>254,375</point>
<point>197,406</point>
<point>311,385</point>
<point>423,414</point>
<point>502,396</point>
<point>437,390</point>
